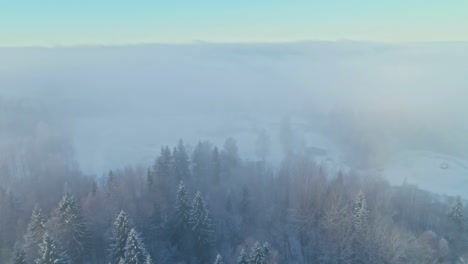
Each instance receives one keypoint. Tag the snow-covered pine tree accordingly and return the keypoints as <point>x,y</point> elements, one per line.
<point>135,251</point>
<point>72,230</point>
<point>149,260</point>
<point>120,231</point>
<point>258,254</point>
<point>181,162</point>
<point>243,257</point>
<point>266,251</point>
<point>219,259</point>
<point>50,253</point>
<point>360,213</point>
<point>181,218</point>
<point>34,234</point>
<point>359,228</point>
<point>19,255</point>
<point>456,212</point>
<point>202,229</point>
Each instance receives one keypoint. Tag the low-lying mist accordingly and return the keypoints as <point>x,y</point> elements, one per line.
<point>396,109</point>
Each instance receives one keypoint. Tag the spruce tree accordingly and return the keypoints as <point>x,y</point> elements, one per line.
<point>111,184</point>
<point>243,257</point>
<point>34,234</point>
<point>120,232</point>
<point>50,253</point>
<point>360,213</point>
<point>219,259</point>
<point>181,162</point>
<point>163,166</point>
<point>258,254</point>
<point>359,228</point>
<point>94,187</point>
<point>216,166</point>
<point>149,260</point>
<point>182,214</point>
<point>135,251</point>
<point>72,228</point>
<point>19,255</point>
<point>149,179</point>
<point>202,229</point>
<point>456,213</point>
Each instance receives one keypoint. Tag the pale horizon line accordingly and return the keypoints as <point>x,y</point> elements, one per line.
<point>208,42</point>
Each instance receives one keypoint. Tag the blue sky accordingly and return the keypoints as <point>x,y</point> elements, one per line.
<point>108,22</point>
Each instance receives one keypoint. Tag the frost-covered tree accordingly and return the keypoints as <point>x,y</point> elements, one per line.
<point>149,260</point>
<point>243,257</point>
<point>202,229</point>
<point>120,232</point>
<point>34,234</point>
<point>182,214</point>
<point>181,162</point>
<point>135,250</point>
<point>50,253</point>
<point>72,230</point>
<point>456,233</point>
<point>456,212</point>
<point>19,255</point>
<point>258,254</point>
<point>359,228</point>
<point>219,259</point>
<point>360,212</point>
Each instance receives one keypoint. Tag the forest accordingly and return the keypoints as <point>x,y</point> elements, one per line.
<point>208,204</point>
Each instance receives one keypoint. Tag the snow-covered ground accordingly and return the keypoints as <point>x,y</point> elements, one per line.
<point>431,171</point>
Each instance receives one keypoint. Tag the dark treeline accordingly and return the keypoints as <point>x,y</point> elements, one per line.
<point>211,206</point>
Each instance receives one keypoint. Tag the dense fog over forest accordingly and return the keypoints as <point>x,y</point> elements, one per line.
<point>301,152</point>
<point>118,105</point>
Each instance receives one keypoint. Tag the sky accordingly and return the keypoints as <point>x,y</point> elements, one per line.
<point>116,22</point>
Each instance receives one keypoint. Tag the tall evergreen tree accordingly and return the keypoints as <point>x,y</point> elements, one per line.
<point>149,179</point>
<point>456,213</point>
<point>216,166</point>
<point>202,229</point>
<point>359,228</point>
<point>181,162</point>
<point>19,255</point>
<point>120,232</point>
<point>163,166</point>
<point>219,259</point>
<point>50,253</point>
<point>182,213</point>
<point>258,254</point>
<point>34,234</point>
<point>360,212</point>
<point>94,187</point>
<point>72,228</point>
<point>456,233</point>
<point>111,185</point>
<point>149,260</point>
<point>243,257</point>
<point>201,160</point>
<point>135,251</point>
